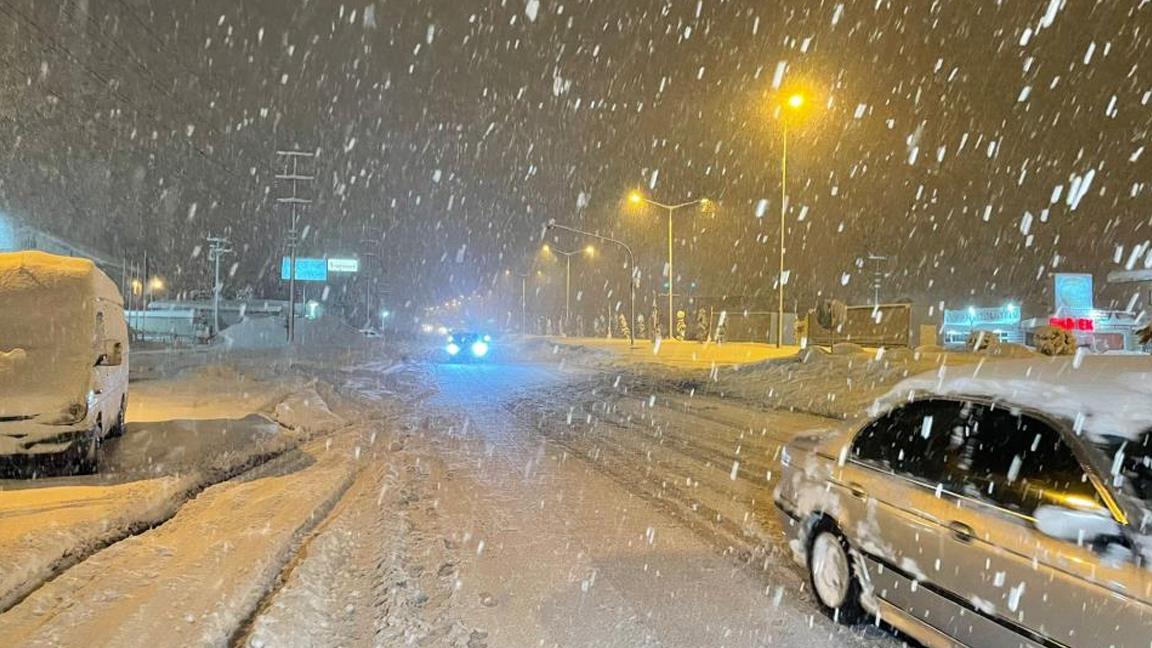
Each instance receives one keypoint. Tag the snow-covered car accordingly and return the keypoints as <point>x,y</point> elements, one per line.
<point>1001,504</point>
<point>63,357</point>
<point>467,346</point>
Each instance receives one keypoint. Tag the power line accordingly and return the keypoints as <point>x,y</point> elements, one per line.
<point>151,78</point>
<point>107,83</point>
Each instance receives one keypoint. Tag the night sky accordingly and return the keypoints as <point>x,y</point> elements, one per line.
<point>979,145</point>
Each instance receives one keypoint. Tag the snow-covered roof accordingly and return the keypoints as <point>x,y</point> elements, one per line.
<point>1102,395</point>
<point>40,271</point>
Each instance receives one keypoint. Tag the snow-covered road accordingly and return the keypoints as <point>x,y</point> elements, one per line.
<point>470,505</point>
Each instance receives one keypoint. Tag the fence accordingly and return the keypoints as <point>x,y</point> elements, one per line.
<point>886,325</point>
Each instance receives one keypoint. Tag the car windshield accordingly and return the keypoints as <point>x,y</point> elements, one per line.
<point>1130,464</point>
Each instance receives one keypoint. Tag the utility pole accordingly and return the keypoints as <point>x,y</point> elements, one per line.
<point>877,276</point>
<point>292,174</point>
<point>218,246</point>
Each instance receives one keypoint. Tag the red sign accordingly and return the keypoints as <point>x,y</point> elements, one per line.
<point>1073,324</point>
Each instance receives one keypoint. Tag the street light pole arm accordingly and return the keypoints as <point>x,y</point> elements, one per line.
<point>552,224</point>
<point>674,207</point>
<point>606,239</point>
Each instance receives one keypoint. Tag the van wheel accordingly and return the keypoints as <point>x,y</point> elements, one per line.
<point>832,575</point>
<point>86,455</point>
<point>118,429</point>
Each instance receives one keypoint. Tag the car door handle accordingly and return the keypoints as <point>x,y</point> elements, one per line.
<point>857,490</point>
<point>961,532</point>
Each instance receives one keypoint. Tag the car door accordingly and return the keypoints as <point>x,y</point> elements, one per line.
<point>1023,587</point>
<point>892,482</point>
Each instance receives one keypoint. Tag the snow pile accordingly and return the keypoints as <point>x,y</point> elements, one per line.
<point>255,333</point>
<point>306,411</point>
<point>544,350</point>
<point>46,529</point>
<point>839,385</point>
<point>271,333</point>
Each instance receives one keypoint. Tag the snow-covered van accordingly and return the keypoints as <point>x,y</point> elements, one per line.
<point>63,357</point>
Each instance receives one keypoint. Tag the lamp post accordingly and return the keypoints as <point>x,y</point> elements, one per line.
<point>631,272</point>
<point>793,104</point>
<point>568,278</point>
<point>637,198</point>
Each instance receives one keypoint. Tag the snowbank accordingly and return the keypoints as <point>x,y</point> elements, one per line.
<point>270,333</point>
<point>839,385</point>
<point>544,350</point>
<point>306,411</point>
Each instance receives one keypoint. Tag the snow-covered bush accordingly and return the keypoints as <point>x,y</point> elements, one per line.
<point>980,340</point>
<point>1052,341</point>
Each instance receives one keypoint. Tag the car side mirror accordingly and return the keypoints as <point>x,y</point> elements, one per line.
<point>113,355</point>
<point>1082,526</point>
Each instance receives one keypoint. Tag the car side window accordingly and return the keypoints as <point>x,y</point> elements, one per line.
<point>1019,463</point>
<point>918,440</point>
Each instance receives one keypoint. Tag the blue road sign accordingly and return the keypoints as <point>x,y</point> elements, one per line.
<point>306,269</point>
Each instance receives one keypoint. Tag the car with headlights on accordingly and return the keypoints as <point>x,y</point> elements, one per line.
<point>1001,504</point>
<point>467,346</point>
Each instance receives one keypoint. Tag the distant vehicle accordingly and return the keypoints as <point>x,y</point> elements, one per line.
<point>63,358</point>
<point>1008,504</point>
<point>370,333</point>
<point>467,345</point>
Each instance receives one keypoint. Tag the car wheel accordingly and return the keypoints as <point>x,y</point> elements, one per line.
<point>832,575</point>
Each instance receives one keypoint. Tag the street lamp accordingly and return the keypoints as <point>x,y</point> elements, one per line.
<point>631,269</point>
<point>589,251</point>
<point>791,106</point>
<point>637,198</point>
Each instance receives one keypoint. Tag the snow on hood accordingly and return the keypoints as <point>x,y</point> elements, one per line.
<point>1101,395</point>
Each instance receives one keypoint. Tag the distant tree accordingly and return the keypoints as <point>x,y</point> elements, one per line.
<point>703,326</point>
<point>722,327</point>
<point>641,326</point>
<point>1144,334</point>
<point>625,330</point>
<point>598,328</point>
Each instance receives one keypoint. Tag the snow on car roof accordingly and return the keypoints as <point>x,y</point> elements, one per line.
<point>1101,395</point>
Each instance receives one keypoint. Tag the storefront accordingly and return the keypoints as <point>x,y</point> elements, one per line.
<point>1003,321</point>
<point>1100,331</point>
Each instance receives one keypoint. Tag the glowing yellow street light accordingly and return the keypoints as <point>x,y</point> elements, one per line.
<point>792,104</point>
